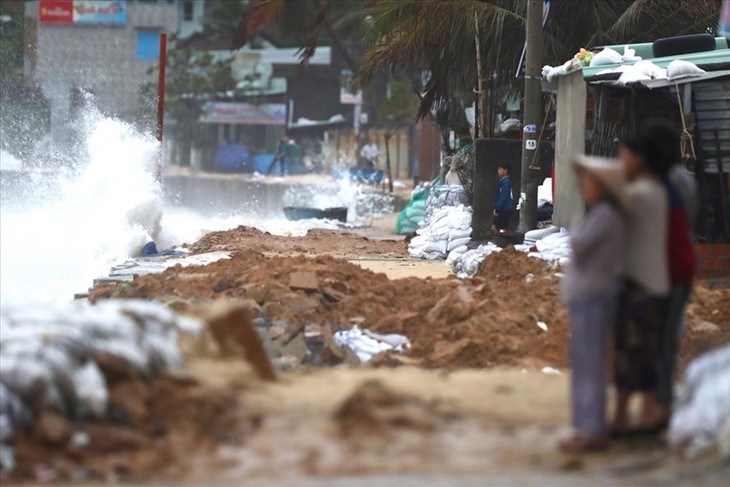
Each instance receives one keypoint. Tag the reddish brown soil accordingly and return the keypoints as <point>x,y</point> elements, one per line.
<point>155,427</point>
<point>316,242</point>
<point>487,321</point>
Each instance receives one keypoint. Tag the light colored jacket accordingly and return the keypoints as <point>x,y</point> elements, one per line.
<point>597,261</point>
<point>647,262</point>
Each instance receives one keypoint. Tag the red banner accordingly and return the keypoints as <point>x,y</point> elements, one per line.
<point>55,11</point>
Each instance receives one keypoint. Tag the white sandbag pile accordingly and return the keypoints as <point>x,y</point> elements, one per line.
<point>467,264</point>
<point>48,358</point>
<point>447,228</point>
<point>445,195</point>
<point>701,419</point>
<point>552,244</point>
<point>367,344</point>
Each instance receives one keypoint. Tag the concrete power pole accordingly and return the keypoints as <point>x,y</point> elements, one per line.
<point>532,114</point>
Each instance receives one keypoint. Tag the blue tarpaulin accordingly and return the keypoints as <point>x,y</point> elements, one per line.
<point>232,158</point>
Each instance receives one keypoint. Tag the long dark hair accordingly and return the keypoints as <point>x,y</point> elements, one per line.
<point>658,143</point>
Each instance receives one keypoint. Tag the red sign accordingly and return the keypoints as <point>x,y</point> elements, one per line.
<point>56,11</point>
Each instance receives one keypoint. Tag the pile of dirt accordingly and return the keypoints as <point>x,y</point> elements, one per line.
<point>374,409</point>
<point>512,265</point>
<point>474,323</point>
<point>154,427</point>
<point>315,242</point>
<point>497,318</point>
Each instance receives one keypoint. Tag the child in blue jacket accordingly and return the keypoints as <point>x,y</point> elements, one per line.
<point>505,205</point>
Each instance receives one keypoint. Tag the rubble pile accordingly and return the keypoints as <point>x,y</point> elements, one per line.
<point>319,242</point>
<point>302,301</point>
<point>92,391</point>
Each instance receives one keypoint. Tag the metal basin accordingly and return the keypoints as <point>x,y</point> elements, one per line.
<point>302,213</point>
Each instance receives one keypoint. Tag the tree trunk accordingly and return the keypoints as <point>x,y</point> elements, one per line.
<point>387,137</point>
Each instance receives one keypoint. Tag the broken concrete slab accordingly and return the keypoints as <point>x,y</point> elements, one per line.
<point>306,281</point>
<point>231,324</point>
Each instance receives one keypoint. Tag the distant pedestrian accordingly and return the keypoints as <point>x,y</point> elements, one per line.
<point>279,156</point>
<point>369,154</point>
<point>505,205</point>
<point>590,290</point>
<point>292,158</point>
<point>646,283</point>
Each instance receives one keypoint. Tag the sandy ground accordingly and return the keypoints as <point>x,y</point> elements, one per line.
<point>411,426</point>
<point>472,427</point>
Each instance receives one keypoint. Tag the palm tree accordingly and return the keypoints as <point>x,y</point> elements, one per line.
<point>438,35</point>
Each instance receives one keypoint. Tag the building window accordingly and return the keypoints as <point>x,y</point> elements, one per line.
<point>148,44</point>
<point>188,10</point>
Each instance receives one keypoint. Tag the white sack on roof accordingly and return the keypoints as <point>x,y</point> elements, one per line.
<point>605,57</point>
<point>679,69</point>
<point>629,55</point>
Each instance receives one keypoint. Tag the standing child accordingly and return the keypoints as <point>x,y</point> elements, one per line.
<point>646,284</point>
<point>682,197</point>
<point>590,289</point>
<point>505,205</point>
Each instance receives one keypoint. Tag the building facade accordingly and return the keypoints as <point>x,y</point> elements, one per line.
<point>105,47</point>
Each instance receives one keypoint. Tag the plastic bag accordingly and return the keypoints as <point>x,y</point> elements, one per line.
<point>605,57</point>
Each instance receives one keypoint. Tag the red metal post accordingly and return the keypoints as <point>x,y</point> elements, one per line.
<point>161,100</point>
<point>161,86</point>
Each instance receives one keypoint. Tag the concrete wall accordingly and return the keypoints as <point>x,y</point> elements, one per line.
<point>213,194</point>
<point>570,140</point>
<point>97,57</point>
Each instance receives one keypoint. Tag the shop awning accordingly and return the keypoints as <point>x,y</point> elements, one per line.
<point>244,113</point>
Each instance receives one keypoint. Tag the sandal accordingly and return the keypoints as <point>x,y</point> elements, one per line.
<point>584,444</point>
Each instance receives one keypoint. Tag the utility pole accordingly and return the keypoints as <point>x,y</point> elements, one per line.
<point>532,114</point>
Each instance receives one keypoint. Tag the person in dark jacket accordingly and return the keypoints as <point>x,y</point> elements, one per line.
<point>505,205</point>
<point>279,157</point>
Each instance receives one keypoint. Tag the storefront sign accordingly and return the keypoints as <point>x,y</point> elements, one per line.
<point>83,12</point>
<point>244,113</point>
<point>106,12</point>
<point>55,11</point>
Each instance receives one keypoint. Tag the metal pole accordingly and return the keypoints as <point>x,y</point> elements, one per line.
<point>533,109</point>
<point>161,99</point>
<point>481,123</point>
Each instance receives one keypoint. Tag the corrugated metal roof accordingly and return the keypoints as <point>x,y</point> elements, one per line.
<point>663,83</point>
<point>646,49</point>
<point>718,56</point>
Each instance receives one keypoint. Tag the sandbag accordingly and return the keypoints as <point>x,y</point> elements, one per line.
<point>459,242</point>
<point>606,56</point>
<point>679,69</point>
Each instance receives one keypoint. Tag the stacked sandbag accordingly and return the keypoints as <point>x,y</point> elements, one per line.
<point>447,234</point>
<point>551,244</point>
<point>701,418</point>
<point>533,236</point>
<point>554,247</point>
<point>413,215</point>
<point>445,195</point>
<point>49,355</point>
<point>467,264</point>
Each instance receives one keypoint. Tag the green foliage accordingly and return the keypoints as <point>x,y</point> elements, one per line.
<point>192,78</point>
<point>440,35</point>
<point>398,110</point>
